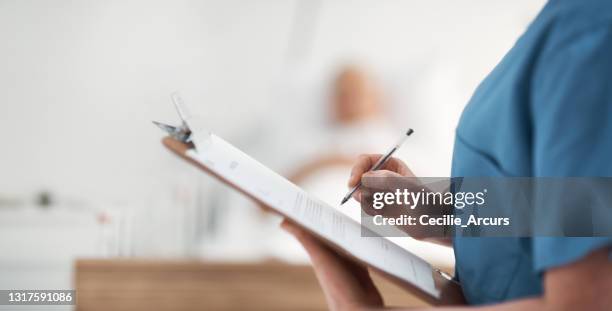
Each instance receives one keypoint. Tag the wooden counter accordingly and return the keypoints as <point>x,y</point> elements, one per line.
<point>193,285</point>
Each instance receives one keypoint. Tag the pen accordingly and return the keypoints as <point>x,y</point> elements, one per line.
<point>379,163</point>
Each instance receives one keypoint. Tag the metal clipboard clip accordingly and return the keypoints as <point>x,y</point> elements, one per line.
<point>182,132</point>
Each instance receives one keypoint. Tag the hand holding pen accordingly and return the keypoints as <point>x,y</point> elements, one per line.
<point>369,163</point>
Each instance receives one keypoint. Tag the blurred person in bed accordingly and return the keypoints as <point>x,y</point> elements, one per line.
<point>357,124</point>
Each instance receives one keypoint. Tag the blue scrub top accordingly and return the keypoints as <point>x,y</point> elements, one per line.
<point>545,110</point>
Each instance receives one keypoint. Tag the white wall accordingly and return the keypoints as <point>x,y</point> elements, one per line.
<point>80,82</point>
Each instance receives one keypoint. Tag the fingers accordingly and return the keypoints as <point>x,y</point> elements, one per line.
<point>321,255</point>
<point>381,173</point>
<point>288,226</point>
<point>315,249</point>
<point>265,208</point>
<point>304,237</point>
<point>365,163</point>
<point>357,195</point>
<point>384,181</point>
<point>346,283</point>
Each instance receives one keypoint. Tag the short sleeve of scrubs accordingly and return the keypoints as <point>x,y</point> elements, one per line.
<point>572,101</point>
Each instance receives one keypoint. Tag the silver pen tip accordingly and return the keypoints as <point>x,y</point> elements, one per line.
<point>409,132</point>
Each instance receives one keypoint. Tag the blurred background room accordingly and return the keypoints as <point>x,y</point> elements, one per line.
<point>304,86</point>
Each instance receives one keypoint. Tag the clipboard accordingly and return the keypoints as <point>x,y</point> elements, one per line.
<point>194,143</point>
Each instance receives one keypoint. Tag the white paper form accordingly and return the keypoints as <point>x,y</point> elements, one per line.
<point>274,190</point>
